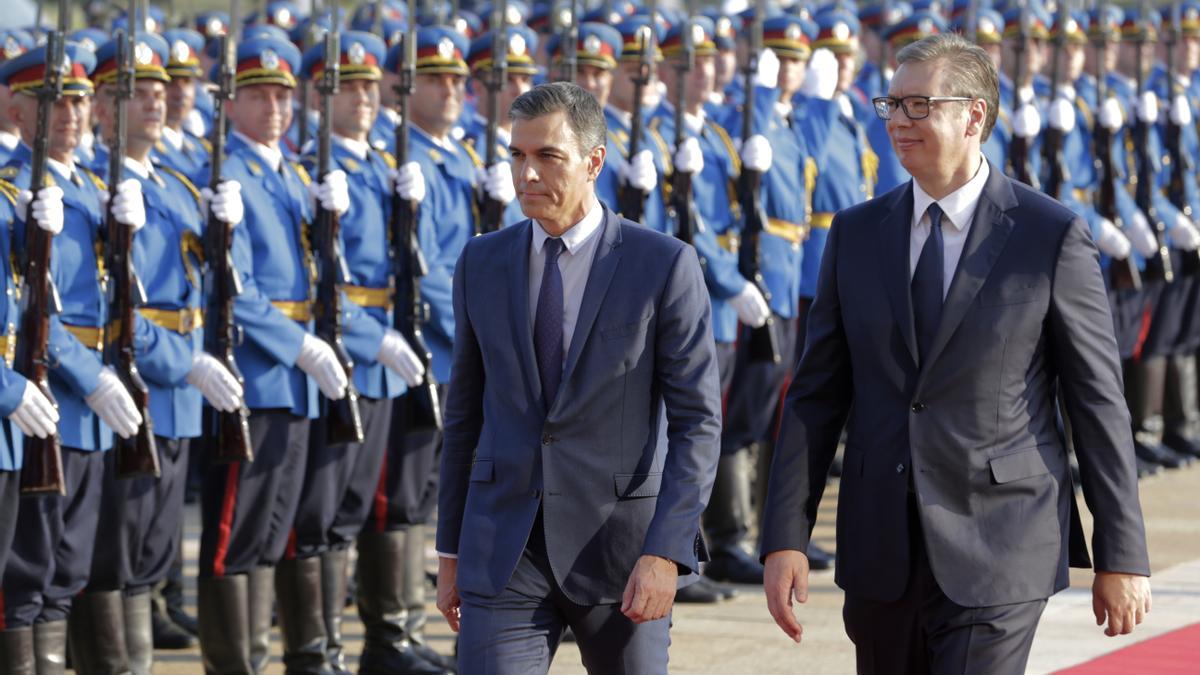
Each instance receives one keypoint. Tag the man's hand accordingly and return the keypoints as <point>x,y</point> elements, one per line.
<point>1123,598</point>
<point>651,589</point>
<point>448,602</point>
<point>785,576</point>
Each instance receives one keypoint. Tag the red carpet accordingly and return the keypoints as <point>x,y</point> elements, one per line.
<point>1174,652</point>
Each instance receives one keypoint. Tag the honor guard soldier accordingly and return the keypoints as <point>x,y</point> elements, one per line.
<point>141,517</point>
<point>85,151</point>
<point>989,35</point>
<point>441,178</point>
<point>878,22</point>
<point>13,43</point>
<point>340,481</point>
<point>180,149</point>
<point>23,407</point>
<point>725,38</point>
<point>247,508</point>
<point>212,25</point>
<point>519,73</point>
<point>56,535</point>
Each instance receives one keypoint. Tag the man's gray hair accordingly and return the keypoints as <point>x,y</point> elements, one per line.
<point>584,114</point>
<point>967,70</point>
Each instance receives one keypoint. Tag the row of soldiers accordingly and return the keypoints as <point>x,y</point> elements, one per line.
<point>741,132</point>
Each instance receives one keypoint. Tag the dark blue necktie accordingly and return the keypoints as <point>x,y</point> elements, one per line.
<point>927,283</point>
<point>548,324</point>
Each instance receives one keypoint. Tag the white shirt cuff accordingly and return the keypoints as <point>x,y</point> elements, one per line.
<point>451,556</point>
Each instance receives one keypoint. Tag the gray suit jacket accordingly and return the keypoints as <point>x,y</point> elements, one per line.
<point>623,462</point>
<point>1025,319</point>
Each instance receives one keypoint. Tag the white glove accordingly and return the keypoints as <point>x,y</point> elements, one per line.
<point>688,157</point>
<point>47,208</point>
<point>1112,242</point>
<point>640,173</point>
<point>1025,94</point>
<point>1147,107</point>
<point>194,123</point>
<point>395,353</point>
<point>1181,112</point>
<point>1142,236</point>
<point>214,380</point>
<point>226,204</point>
<point>1027,122</point>
<point>410,182</point>
<point>821,78</point>
<point>1062,115</point>
<point>1066,91</point>
<point>768,69</point>
<point>318,360</point>
<point>112,402</point>
<point>128,208</point>
<point>35,416</point>
<point>751,306</point>
<point>757,154</point>
<point>497,182</point>
<point>333,193</point>
<point>1111,115</point>
<point>1184,236</point>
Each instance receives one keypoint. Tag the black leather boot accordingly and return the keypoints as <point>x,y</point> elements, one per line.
<point>260,590</point>
<point>97,628</point>
<point>139,636</point>
<point>1181,409</point>
<point>387,649</point>
<point>16,651</point>
<point>50,647</point>
<point>333,593</point>
<point>301,620</point>
<point>1144,387</point>
<point>222,605</point>
<point>414,597</point>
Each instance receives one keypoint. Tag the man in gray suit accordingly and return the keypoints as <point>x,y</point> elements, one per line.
<point>956,514</point>
<point>582,421</point>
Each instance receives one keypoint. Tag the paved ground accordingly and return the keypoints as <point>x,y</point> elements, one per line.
<point>739,636</point>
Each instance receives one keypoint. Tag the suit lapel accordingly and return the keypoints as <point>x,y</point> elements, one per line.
<point>989,233</point>
<point>894,253</point>
<point>604,266</point>
<point>518,289</point>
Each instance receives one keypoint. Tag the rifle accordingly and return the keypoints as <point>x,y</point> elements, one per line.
<point>491,211</point>
<point>423,411</point>
<point>1123,274</point>
<point>42,472</point>
<point>1018,151</point>
<point>682,204</point>
<point>885,22</point>
<point>344,422</point>
<point>764,343</point>
<point>971,21</point>
<point>1182,164</point>
<point>136,456</point>
<point>227,434</point>
<point>631,200</point>
<point>567,23</point>
<point>1159,267</point>
<point>1057,173</point>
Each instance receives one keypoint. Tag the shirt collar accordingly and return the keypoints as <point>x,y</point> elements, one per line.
<point>272,156</point>
<point>67,169</point>
<point>172,137</point>
<point>359,148</point>
<point>142,170</point>
<point>9,140</point>
<point>958,206</point>
<point>574,238</point>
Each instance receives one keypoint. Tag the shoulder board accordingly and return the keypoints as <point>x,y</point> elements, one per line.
<point>727,142</point>
<point>302,172</point>
<point>389,158</point>
<point>351,165</point>
<point>96,180</point>
<point>475,159</point>
<point>187,183</point>
<point>205,143</point>
<point>254,166</point>
<point>9,191</point>
<point>9,172</point>
<point>160,146</point>
<point>435,155</point>
<point>663,149</point>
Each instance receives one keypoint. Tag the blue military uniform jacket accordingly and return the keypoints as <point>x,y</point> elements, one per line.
<point>272,254</point>
<point>654,213</point>
<point>74,268</point>
<point>190,158</point>
<point>476,139</point>
<point>12,384</point>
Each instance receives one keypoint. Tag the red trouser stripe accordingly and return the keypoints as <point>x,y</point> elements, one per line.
<point>290,552</point>
<point>3,619</point>
<point>225,528</point>
<point>1142,334</point>
<point>381,498</point>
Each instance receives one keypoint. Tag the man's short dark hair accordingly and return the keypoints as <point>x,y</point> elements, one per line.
<point>584,114</point>
<point>969,71</point>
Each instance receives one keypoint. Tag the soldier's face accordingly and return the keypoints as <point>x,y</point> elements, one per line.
<point>1076,59</point>
<point>791,74</point>
<point>437,100</point>
<point>147,111</point>
<point>553,177</point>
<point>726,61</point>
<point>181,98</point>
<point>996,53</point>
<point>937,145</point>
<point>597,81</point>
<point>700,79</point>
<point>623,87</point>
<point>1189,53</point>
<point>847,69</point>
<point>68,118</point>
<point>354,108</point>
<point>262,112</point>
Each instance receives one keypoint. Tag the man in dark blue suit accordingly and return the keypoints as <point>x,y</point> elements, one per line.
<point>583,417</point>
<point>956,514</point>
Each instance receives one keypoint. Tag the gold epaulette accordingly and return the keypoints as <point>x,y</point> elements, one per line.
<point>470,148</point>
<point>302,172</point>
<point>9,191</point>
<point>727,142</point>
<point>96,180</point>
<point>388,158</point>
<point>187,183</point>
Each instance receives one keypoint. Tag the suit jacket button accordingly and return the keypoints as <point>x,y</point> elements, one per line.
<point>918,407</point>
<point>547,439</point>
<point>900,468</point>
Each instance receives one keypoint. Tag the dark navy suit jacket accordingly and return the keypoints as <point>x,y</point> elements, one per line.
<point>623,461</point>
<point>973,426</point>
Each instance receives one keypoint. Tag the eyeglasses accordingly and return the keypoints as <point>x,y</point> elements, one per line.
<point>915,107</point>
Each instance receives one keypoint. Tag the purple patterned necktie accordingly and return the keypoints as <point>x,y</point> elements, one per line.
<point>548,326</point>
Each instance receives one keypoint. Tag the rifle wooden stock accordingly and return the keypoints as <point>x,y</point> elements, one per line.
<point>1160,266</point>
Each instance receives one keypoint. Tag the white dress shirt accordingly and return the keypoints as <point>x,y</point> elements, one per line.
<point>574,263</point>
<point>958,211</point>
<point>172,138</point>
